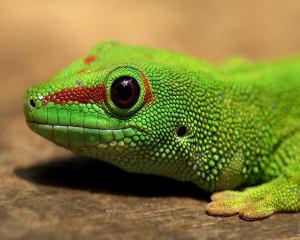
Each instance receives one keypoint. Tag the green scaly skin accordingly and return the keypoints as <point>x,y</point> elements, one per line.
<point>242,123</point>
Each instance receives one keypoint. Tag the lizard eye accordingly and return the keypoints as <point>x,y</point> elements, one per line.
<point>125,92</point>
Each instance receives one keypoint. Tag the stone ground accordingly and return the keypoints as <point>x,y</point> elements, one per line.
<point>47,192</point>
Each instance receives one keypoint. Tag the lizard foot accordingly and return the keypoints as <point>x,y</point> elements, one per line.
<point>255,203</point>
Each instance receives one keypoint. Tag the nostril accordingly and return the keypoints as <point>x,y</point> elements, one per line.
<point>31,103</point>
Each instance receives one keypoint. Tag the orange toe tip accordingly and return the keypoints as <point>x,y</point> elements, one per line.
<point>214,209</point>
<point>251,218</point>
<point>252,215</point>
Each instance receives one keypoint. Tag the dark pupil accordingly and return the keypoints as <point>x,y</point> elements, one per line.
<point>125,92</point>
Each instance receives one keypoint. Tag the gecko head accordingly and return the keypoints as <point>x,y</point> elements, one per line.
<point>125,105</point>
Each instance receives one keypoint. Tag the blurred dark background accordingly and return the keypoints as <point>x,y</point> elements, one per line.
<point>46,192</point>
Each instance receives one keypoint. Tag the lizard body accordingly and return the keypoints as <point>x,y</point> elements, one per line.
<point>158,112</point>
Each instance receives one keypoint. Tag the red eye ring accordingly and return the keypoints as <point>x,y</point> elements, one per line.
<point>125,92</point>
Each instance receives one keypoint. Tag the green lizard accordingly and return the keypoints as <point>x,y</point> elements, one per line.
<point>235,124</point>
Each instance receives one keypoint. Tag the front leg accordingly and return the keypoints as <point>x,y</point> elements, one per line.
<point>282,194</point>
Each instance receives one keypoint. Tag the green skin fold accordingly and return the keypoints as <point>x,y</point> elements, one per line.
<point>242,122</point>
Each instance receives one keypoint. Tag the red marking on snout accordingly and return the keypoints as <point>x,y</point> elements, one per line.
<point>90,59</point>
<point>148,95</point>
<point>84,95</point>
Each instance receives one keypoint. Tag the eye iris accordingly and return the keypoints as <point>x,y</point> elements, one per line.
<point>125,92</point>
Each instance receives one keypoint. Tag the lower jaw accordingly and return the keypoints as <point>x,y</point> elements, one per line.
<point>80,138</point>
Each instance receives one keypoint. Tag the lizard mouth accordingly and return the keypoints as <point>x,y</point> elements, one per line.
<point>81,127</point>
<point>71,127</point>
<point>84,137</point>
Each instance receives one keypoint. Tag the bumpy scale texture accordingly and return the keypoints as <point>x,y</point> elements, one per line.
<point>219,126</point>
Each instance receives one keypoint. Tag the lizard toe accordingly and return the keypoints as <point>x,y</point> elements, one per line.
<point>257,211</point>
<point>224,208</point>
<point>228,194</point>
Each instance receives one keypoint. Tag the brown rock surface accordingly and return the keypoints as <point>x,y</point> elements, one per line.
<point>48,193</point>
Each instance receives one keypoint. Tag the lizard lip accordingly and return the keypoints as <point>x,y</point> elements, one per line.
<point>80,127</point>
<point>83,137</point>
